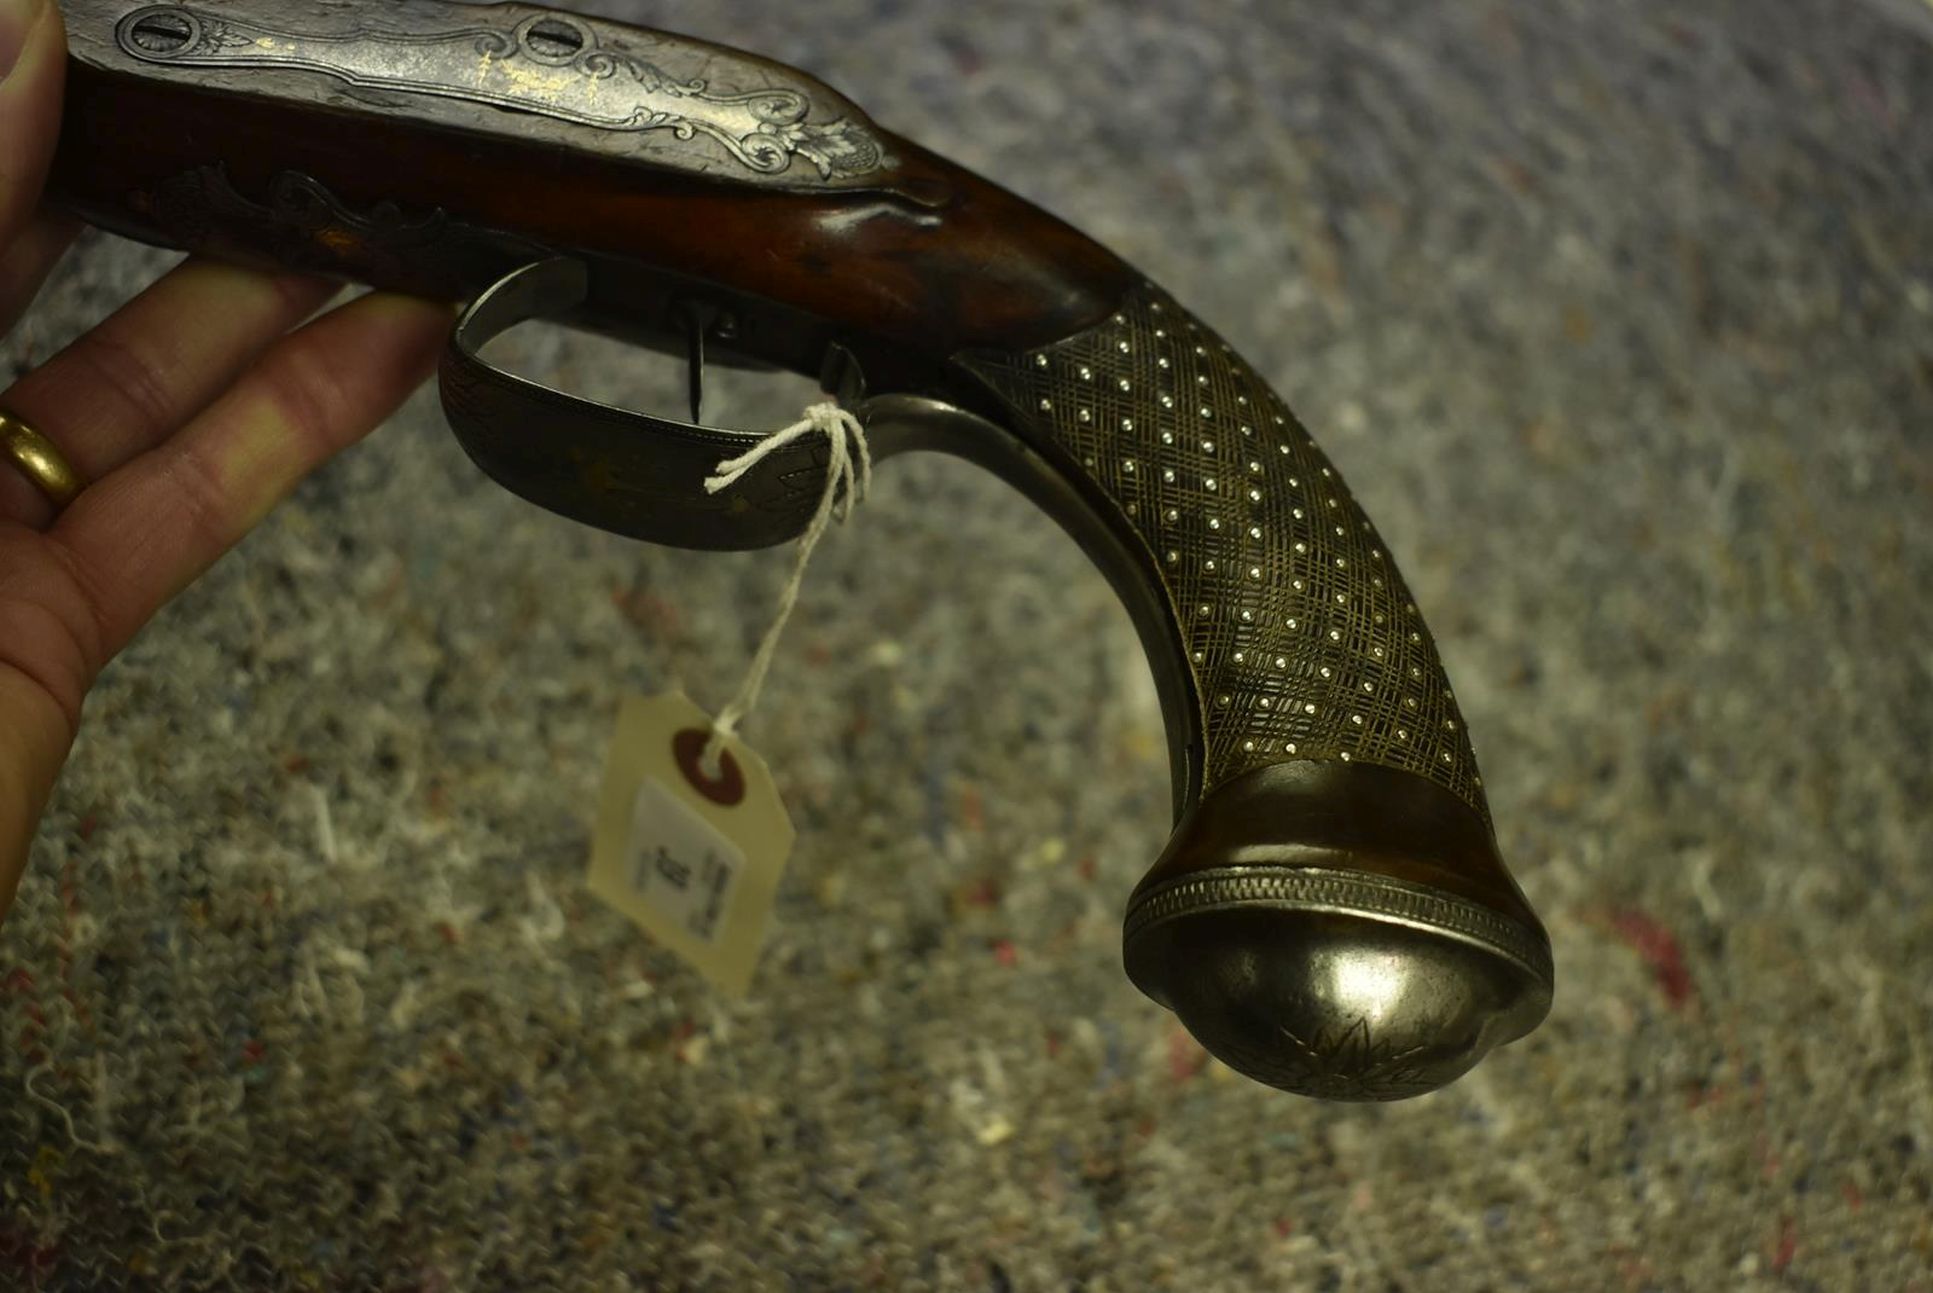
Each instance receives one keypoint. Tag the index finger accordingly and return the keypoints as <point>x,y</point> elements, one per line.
<point>135,537</point>
<point>33,65</point>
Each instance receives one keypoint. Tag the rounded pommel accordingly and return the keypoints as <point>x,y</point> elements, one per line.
<point>1340,930</point>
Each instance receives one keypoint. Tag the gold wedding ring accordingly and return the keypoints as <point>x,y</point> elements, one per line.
<point>37,458</point>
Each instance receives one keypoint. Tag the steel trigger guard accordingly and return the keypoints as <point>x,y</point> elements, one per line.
<point>631,473</point>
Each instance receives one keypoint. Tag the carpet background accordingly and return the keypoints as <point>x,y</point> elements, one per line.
<point>1619,318</point>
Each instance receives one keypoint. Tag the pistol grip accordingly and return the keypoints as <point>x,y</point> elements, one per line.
<point>1332,915</point>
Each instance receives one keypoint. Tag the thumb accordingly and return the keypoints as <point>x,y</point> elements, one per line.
<point>33,61</point>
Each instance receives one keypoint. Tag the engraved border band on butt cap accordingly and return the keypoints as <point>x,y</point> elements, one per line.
<point>1345,893</point>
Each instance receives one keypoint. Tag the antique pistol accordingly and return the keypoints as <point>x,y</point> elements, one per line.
<point>1331,915</point>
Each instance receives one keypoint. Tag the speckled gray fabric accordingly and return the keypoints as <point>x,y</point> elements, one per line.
<point>1619,318</point>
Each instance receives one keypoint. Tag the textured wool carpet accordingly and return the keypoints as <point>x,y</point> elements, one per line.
<point>1619,318</point>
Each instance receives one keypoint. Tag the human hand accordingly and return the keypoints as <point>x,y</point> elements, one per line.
<point>186,416</point>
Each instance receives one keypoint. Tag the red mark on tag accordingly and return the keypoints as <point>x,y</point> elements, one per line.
<point>688,749</point>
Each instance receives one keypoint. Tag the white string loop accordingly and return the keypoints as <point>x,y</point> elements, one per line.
<point>850,466</point>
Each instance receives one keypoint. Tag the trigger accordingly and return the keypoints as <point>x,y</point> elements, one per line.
<point>618,469</point>
<point>699,318</point>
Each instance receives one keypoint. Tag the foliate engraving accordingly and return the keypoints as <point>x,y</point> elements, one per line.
<point>1346,1063</point>
<point>553,65</point>
<point>1302,640</point>
<point>1359,893</point>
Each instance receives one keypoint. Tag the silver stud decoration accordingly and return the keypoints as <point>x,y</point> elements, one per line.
<point>1310,599</point>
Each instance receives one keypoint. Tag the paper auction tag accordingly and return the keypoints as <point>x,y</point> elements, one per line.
<point>693,859</point>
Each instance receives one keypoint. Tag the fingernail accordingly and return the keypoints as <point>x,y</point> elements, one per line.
<point>16,20</point>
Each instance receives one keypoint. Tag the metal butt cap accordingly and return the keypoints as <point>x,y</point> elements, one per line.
<point>1339,931</point>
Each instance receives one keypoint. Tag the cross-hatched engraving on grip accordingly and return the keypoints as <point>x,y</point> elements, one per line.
<point>1302,639</point>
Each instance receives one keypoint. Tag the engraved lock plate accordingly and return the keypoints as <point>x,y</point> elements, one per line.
<point>552,77</point>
